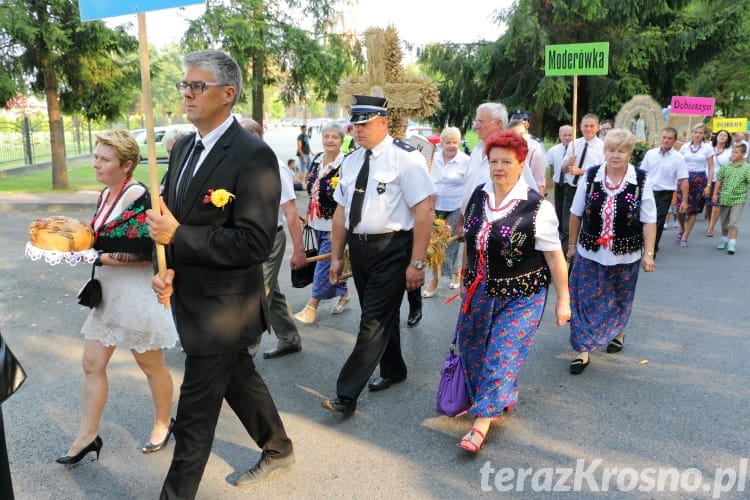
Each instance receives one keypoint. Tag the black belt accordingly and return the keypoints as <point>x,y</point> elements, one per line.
<point>280,228</point>
<point>378,237</point>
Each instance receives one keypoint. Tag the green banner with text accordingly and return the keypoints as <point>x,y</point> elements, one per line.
<point>576,59</point>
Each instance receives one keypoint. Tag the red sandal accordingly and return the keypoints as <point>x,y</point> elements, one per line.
<point>469,445</point>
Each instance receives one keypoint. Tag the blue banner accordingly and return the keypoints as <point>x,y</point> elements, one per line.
<point>99,9</point>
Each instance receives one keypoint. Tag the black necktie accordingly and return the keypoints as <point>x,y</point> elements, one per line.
<point>358,198</point>
<point>580,163</point>
<point>187,174</point>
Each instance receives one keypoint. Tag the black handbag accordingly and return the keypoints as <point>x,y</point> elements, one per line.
<point>90,294</point>
<point>11,372</point>
<point>303,276</point>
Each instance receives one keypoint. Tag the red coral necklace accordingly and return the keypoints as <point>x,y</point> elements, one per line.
<point>111,207</point>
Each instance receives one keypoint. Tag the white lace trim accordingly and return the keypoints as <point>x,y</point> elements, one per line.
<point>54,257</point>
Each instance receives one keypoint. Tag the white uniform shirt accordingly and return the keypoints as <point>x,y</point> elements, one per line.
<point>546,237</point>
<point>402,177</point>
<point>604,256</point>
<point>697,159</point>
<point>536,161</point>
<point>478,172</point>
<point>664,169</point>
<point>287,190</point>
<point>594,155</point>
<point>449,180</point>
<point>555,157</point>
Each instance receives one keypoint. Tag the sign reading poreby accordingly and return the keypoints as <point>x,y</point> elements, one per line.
<point>100,9</point>
<point>729,124</point>
<point>683,105</point>
<point>576,59</point>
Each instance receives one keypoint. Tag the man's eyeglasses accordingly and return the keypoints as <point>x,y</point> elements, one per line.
<point>476,122</point>
<point>196,88</point>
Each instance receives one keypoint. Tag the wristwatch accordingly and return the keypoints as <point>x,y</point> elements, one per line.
<point>419,264</point>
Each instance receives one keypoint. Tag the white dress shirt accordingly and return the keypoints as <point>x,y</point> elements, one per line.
<point>448,178</point>
<point>594,155</point>
<point>664,169</point>
<point>555,157</point>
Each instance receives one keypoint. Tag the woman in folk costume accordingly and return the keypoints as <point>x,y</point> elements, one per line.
<point>615,211</point>
<point>512,252</point>
<point>325,169</point>
<point>128,316</point>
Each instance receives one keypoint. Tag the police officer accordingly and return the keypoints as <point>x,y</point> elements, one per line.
<point>385,214</point>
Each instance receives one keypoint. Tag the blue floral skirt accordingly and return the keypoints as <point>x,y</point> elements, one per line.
<point>322,288</point>
<point>494,337</point>
<point>601,298</point>
<point>697,182</point>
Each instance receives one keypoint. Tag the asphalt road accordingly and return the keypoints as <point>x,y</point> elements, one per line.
<point>686,408</point>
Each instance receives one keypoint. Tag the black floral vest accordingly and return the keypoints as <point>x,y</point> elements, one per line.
<point>325,188</point>
<point>626,224</point>
<point>514,267</point>
<point>128,232</point>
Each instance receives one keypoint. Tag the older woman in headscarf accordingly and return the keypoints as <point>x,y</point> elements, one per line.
<point>612,233</point>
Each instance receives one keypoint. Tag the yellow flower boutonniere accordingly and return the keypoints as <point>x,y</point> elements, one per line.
<point>334,182</point>
<point>218,197</point>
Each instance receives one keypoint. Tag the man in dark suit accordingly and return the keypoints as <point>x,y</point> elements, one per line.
<point>219,209</point>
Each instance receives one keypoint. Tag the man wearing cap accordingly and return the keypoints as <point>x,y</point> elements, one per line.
<point>385,214</point>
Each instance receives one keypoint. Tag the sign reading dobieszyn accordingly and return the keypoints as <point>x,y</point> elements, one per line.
<point>576,59</point>
<point>684,105</point>
<point>100,9</point>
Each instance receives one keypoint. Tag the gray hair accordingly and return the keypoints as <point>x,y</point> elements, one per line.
<point>497,110</point>
<point>252,126</point>
<point>333,127</point>
<point>221,65</point>
<point>173,135</point>
<point>450,133</point>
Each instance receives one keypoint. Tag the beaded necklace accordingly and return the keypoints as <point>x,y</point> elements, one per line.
<point>697,149</point>
<point>111,207</point>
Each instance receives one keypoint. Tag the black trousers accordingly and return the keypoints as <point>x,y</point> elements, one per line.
<point>559,200</point>
<point>6,486</point>
<point>379,270</point>
<point>208,380</point>
<point>663,201</point>
<point>569,193</point>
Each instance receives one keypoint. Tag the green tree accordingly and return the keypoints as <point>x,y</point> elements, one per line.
<point>267,40</point>
<point>657,48</point>
<point>80,68</point>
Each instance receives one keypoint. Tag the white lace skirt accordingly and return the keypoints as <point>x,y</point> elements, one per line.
<point>129,315</point>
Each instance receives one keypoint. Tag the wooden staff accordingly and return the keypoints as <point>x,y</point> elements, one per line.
<point>575,114</point>
<point>148,113</point>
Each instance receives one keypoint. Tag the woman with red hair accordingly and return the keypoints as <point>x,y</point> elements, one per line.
<point>512,252</point>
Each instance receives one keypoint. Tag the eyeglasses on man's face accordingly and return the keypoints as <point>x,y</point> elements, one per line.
<point>197,87</point>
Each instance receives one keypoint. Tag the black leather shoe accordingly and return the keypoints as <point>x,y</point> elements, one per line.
<point>278,352</point>
<point>383,383</point>
<point>342,405</point>
<point>577,366</point>
<point>414,318</point>
<point>266,467</point>
<point>615,346</point>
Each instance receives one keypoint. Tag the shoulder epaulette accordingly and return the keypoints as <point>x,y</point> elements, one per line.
<point>404,145</point>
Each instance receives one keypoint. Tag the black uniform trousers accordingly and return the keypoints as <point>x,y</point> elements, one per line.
<point>663,201</point>
<point>207,382</point>
<point>569,193</point>
<point>379,270</point>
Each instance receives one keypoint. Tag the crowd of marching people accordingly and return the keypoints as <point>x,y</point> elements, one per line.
<point>378,197</point>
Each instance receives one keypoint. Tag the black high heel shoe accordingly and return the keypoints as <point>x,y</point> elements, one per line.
<point>95,445</point>
<point>152,448</point>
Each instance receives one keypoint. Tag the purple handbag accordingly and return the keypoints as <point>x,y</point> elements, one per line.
<point>452,393</point>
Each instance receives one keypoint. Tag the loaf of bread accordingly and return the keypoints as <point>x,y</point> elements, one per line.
<point>62,234</point>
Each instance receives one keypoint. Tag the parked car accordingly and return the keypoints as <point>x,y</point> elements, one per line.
<point>159,132</point>
<point>425,132</point>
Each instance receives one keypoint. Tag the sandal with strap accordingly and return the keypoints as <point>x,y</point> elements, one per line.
<point>467,444</point>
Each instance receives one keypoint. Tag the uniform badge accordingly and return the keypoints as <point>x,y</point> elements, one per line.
<point>381,187</point>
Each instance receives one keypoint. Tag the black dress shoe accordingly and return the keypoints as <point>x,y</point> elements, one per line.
<point>615,346</point>
<point>414,318</point>
<point>264,469</point>
<point>577,366</point>
<point>278,352</point>
<point>341,405</point>
<point>153,448</point>
<point>95,446</point>
<point>383,383</point>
